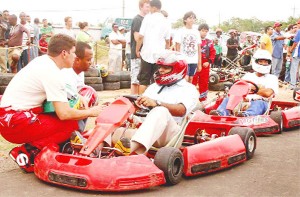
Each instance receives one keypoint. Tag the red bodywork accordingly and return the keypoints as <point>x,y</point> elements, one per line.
<point>130,172</point>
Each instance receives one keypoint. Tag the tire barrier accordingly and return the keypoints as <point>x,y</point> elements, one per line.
<point>92,78</point>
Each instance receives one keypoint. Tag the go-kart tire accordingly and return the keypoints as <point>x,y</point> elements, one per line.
<point>97,87</point>
<point>170,161</point>
<point>112,85</point>
<point>6,78</point>
<point>214,78</point>
<point>92,72</point>
<point>92,80</point>
<point>112,78</point>
<point>248,137</point>
<point>125,84</point>
<point>277,117</point>
<point>294,93</point>
<point>125,76</point>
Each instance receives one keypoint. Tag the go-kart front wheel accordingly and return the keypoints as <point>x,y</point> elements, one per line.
<point>295,94</point>
<point>170,161</point>
<point>214,78</point>
<point>277,117</point>
<point>248,137</point>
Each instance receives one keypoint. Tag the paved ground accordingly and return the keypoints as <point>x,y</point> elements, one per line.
<point>274,171</point>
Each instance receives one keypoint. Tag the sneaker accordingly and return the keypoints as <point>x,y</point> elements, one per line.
<point>215,113</point>
<point>24,156</point>
<point>123,146</point>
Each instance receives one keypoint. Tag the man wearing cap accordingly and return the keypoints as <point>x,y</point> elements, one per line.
<point>277,55</point>
<point>3,28</point>
<point>115,49</point>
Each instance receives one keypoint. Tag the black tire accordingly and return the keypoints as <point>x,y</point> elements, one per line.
<point>97,87</point>
<point>92,80</point>
<point>277,117</point>
<point>214,78</point>
<point>92,72</point>
<point>248,137</point>
<point>294,93</point>
<point>112,85</point>
<point>125,84</point>
<point>220,86</point>
<point>170,161</point>
<point>125,76</point>
<point>2,89</point>
<point>5,79</point>
<point>112,78</point>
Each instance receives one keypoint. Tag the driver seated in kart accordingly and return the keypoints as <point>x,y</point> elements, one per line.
<point>267,87</point>
<point>22,119</point>
<point>171,97</point>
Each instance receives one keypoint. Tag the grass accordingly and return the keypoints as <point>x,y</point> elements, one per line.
<point>101,52</point>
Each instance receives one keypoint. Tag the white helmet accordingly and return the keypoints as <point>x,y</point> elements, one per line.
<point>261,54</point>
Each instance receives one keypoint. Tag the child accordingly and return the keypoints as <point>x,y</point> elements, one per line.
<point>218,58</point>
<point>43,44</point>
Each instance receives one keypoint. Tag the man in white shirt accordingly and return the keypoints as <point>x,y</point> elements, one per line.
<point>115,49</point>
<point>21,110</point>
<point>154,35</point>
<point>169,105</point>
<point>267,86</point>
<point>68,27</point>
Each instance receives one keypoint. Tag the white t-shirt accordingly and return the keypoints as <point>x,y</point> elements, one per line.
<point>267,80</point>
<point>41,79</point>
<point>156,30</point>
<point>174,95</point>
<point>189,39</point>
<point>73,81</point>
<point>68,32</point>
<point>115,36</point>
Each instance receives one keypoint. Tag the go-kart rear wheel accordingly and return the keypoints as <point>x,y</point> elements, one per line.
<point>214,78</point>
<point>248,137</point>
<point>170,161</point>
<point>277,117</point>
<point>294,93</point>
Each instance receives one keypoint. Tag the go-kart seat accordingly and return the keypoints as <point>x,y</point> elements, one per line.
<point>236,94</point>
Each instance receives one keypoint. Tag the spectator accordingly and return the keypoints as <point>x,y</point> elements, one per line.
<point>154,40</point>
<point>265,40</point>
<point>136,61</point>
<point>277,55</point>
<point>15,42</point>
<point>232,45</point>
<point>208,54</point>
<point>3,61</point>
<point>43,44</point>
<point>218,58</point>
<point>68,27</point>
<point>122,37</point>
<point>188,42</point>
<point>47,29</point>
<point>115,49</point>
<point>5,15</point>
<point>83,35</point>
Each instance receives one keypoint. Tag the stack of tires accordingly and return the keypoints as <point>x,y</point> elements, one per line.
<point>125,80</point>
<point>92,78</point>
<point>116,81</point>
<point>4,81</point>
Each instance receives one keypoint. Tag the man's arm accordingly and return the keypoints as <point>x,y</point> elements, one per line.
<point>65,112</point>
<point>265,92</point>
<point>138,46</point>
<point>174,109</point>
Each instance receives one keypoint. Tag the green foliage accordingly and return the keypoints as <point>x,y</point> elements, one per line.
<point>101,52</point>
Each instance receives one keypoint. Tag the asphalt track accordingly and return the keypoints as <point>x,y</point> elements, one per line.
<point>273,171</point>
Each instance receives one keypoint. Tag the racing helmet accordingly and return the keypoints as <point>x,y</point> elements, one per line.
<point>179,68</point>
<point>261,54</point>
<point>89,94</point>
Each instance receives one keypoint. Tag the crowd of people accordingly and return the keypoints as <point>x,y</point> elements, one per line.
<point>166,80</point>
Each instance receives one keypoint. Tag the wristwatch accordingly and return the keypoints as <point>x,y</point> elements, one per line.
<point>158,103</point>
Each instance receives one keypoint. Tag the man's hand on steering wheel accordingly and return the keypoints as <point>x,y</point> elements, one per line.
<point>146,101</point>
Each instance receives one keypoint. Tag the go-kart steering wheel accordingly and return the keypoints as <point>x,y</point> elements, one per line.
<point>252,83</point>
<point>142,110</point>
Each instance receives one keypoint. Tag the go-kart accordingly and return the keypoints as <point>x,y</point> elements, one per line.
<point>194,154</point>
<point>280,114</point>
<point>296,94</point>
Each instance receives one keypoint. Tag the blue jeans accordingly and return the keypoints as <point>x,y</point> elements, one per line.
<point>276,66</point>
<point>294,70</point>
<point>257,107</point>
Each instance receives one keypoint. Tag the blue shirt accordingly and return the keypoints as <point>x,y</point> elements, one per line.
<point>296,52</point>
<point>277,45</point>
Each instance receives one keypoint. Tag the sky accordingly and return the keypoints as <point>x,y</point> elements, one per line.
<point>97,11</point>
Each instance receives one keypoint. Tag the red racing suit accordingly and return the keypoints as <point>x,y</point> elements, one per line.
<point>201,78</point>
<point>34,127</point>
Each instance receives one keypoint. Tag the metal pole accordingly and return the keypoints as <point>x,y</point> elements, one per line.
<point>123,8</point>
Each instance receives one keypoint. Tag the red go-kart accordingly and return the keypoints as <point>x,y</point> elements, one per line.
<point>190,154</point>
<point>280,115</point>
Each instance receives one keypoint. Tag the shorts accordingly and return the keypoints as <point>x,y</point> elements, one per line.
<point>135,69</point>
<point>145,75</point>
<point>191,69</point>
<point>14,51</point>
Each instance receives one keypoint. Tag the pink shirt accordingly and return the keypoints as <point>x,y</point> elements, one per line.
<point>16,35</point>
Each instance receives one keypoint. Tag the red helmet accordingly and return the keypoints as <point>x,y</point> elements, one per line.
<point>179,68</point>
<point>89,94</point>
